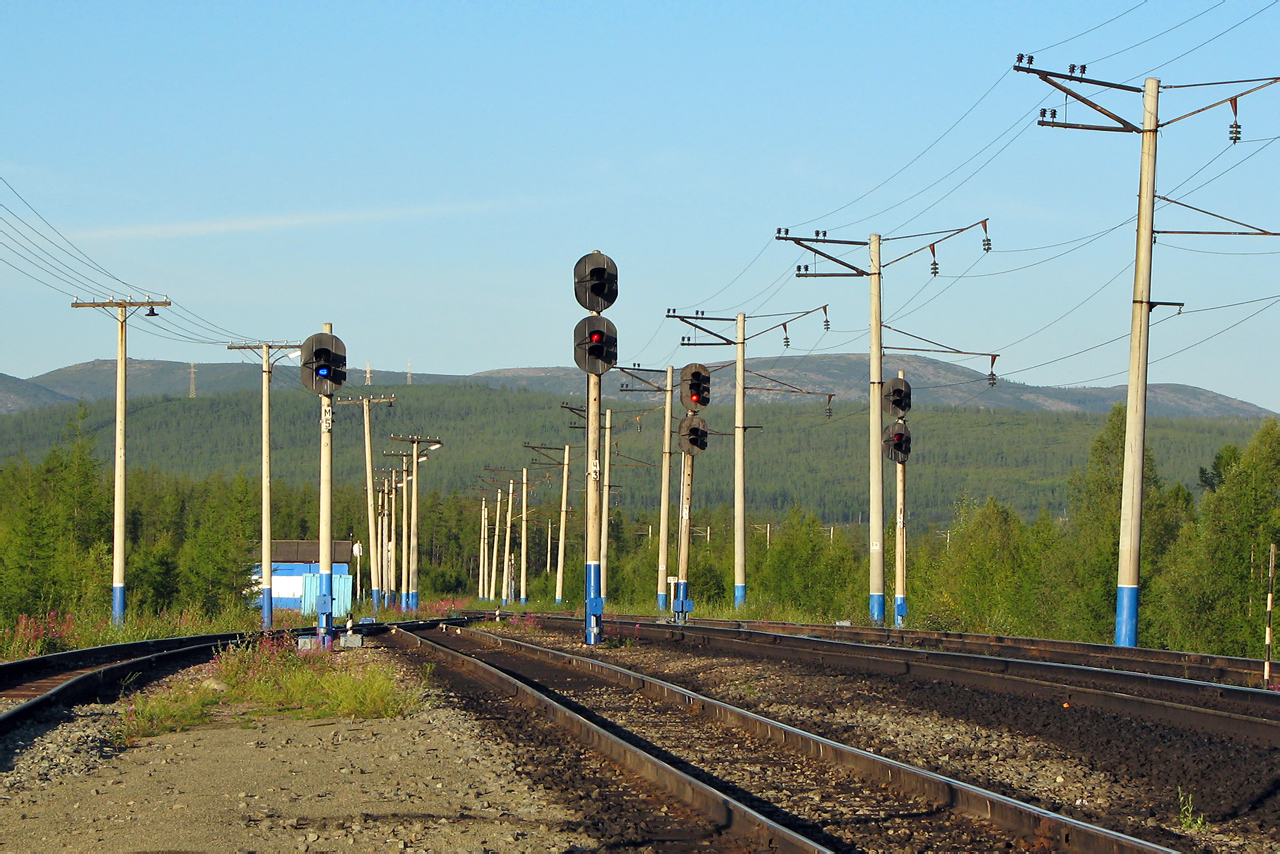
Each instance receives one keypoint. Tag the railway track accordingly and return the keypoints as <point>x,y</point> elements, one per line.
<point>1246,672</point>
<point>32,686</point>
<point>760,780</point>
<point>1130,773</point>
<point>1225,710</point>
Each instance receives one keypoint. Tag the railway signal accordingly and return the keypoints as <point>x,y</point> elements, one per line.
<point>897,397</point>
<point>595,344</point>
<point>897,442</point>
<point>595,281</point>
<point>595,350</point>
<point>324,363</point>
<point>695,386</point>
<point>693,434</point>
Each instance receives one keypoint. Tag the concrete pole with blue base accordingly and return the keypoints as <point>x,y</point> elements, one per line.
<point>664,510</point>
<point>506,549</point>
<point>413,535</point>
<point>524,536</point>
<point>324,602</point>
<point>404,532</point>
<point>606,453</point>
<point>1135,429</point>
<point>594,602</point>
<point>483,583</point>
<point>900,549</point>
<point>564,516</point>
<point>117,547</point>
<point>118,538</point>
<point>740,469</point>
<point>683,605</point>
<point>493,558</point>
<point>875,522</point>
<point>267,605</point>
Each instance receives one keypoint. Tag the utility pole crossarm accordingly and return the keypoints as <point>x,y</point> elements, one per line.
<point>653,387</point>
<point>947,235</point>
<point>1256,232</point>
<point>1271,82</point>
<point>807,243</point>
<point>121,303</point>
<point>689,319</point>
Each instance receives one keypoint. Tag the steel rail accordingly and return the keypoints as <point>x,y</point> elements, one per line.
<point>1024,819</point>
<point>732,816</point>
<point>1034,678</point>
<point>1202,667</point>
<point>102,672</point>
<point>107,681</point>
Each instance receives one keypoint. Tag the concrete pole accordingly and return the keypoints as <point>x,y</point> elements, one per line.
<point>267,604</point>
<point>404,534</point>
<point>740,469</point>
<point>380,544</point>
<point>506,549</point>
<point>564,517</point>
<point>383,539</point>
<point>681,606</point>
<point>606,452</point>
<point>413,533</point>
<point>493,559</point>
<point>1271,589</point>
<point>664,507</point>
<point>374,580</point>
<point>594,597</point>
<point>1135,428</point>
<point>524,536</point>
<point>876,424</point>
<point>484,548</point>
<point>117,546</point>
<point>547,565</point>
<point>899,544</point>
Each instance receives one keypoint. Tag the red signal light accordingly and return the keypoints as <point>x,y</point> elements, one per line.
<point>597,336</point>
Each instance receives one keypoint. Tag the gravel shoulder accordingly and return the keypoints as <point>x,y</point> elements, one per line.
<point>441,780</point>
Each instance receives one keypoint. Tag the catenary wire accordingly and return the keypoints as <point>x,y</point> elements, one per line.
<point>1157,35</point>
<point>1091,29</point>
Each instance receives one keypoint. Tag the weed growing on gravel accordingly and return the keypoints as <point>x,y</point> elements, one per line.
<point>1187,817</point>
<point>174,710</point>
<point>272,676</point>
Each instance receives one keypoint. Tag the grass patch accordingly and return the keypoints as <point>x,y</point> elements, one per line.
<point>270,677</point>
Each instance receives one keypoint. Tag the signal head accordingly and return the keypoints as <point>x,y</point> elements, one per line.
<point>595,281</point>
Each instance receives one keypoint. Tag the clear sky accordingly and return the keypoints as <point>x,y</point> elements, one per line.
<point>425,175</point>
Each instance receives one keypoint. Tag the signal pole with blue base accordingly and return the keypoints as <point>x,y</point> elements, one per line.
<point>595,351</point>
<point>664,510</point>
<point>683,605</point>
<point>524,536</point>
<point>324,362</point>
<point>324,602</point>
<point>594,602</point>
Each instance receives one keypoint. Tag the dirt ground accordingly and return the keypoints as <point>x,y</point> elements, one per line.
<point>437,781</point>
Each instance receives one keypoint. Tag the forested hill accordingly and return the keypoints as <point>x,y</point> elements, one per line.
<point>798,456</point>
<point>844,376</point>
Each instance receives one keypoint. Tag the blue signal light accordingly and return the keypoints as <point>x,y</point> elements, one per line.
<point>323,371</point>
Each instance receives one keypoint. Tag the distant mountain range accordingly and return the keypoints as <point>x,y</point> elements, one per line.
<point>776,379</point>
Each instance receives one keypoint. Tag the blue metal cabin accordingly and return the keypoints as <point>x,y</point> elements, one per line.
<point>295,576</point>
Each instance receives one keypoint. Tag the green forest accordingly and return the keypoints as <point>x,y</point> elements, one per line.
<point>1013,515</point>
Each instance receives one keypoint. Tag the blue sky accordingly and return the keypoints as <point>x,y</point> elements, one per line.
<point>424,176</point>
